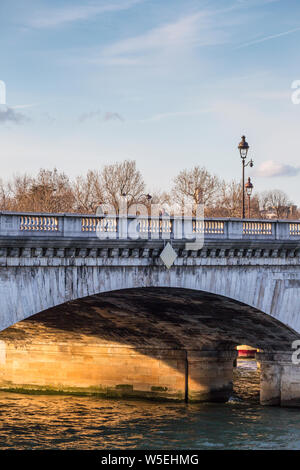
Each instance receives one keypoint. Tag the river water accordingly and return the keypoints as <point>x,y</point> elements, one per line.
<point>68,422</point>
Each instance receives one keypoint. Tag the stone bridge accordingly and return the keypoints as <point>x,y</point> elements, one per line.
<point>166,327</point>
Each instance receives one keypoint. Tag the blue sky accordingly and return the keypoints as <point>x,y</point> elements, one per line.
<point>169,83</point>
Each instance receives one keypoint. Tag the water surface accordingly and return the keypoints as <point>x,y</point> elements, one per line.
<point>68,422</point>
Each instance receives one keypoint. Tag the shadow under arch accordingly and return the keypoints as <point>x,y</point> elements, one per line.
<point>184,329</point>
<point>175,317</point>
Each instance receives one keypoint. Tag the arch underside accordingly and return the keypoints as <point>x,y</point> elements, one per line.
<point>27,291</point>
<point>171,318</point>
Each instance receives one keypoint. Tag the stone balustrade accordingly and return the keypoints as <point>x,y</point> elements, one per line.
<point>152,228</point>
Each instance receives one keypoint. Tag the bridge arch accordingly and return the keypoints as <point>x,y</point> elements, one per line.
<point>153,342</point>
<point>179,317</point>
<point>29,290</point>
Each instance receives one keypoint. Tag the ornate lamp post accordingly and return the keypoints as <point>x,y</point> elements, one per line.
<point>249,188</point>
<point>243,148</point>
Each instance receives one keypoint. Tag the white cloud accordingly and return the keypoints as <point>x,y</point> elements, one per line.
<point>195,29</point>
<point>9,115</point>
<point>52,18</point>
<point>205,27</point>
<point>271,169</point>
<point>98,115</point>
<point>172,34</point>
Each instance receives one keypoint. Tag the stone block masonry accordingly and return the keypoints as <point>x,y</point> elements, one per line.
<point>280,379</point>
<point>108,370</point>
<point>91,347</point>
<point>115,371</point>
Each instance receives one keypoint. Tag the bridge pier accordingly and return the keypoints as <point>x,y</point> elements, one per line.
<point>210,375</point>
<point>66,363</point>
<point>280,379</point>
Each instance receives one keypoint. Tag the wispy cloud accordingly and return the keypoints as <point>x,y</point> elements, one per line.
<point>195,29</point>
<point>24,106</point>
<point>9,115</point>
<point>267,38</point>
<point>100,116</point>
<point>273,169</point>
<point>172,34</point>
<point>55,17</point>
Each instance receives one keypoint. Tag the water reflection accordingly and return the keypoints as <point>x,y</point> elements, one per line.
<point>66,422</point>
<point>246,380</point>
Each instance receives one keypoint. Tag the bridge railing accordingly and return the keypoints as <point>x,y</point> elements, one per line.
<point>119,227</point>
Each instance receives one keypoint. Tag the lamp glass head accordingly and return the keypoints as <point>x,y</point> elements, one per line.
<point>243,147</point>
<point>249,187</point>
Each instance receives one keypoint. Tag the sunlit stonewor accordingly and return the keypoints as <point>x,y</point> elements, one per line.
<point>168,255</point>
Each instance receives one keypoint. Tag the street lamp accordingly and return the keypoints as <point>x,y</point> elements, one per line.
<point>249,188</point>
<point>243,148</point>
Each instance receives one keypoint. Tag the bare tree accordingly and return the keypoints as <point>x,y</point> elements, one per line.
<point>6,198</point>
<point>50,191</point>
<point>122,179</point>
<point>277,201</point>
<point>19,188</point>
<point>229,200</point>
<point>88,192</point>
<point>197,186</point>
<point>161,197</point>
<point>53,191</point>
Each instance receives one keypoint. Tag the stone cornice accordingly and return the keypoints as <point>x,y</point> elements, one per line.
<point>56,252</point>
<point>209,243</point>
